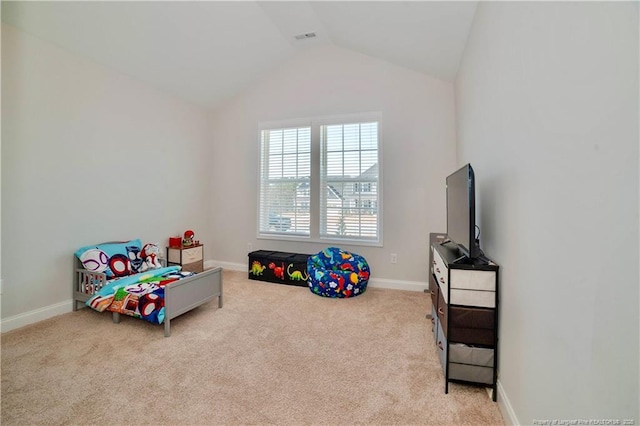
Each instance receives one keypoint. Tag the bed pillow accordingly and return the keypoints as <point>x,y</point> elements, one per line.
<point>116,259</point>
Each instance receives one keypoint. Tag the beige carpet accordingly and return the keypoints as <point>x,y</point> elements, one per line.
<point>274,354</point>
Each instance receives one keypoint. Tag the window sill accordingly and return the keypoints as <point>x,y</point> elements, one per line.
<point>325,241</point>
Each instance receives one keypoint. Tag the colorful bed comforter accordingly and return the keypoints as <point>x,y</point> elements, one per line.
<point>140,295</point>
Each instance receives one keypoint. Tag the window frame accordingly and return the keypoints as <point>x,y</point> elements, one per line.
<point>316,124</point>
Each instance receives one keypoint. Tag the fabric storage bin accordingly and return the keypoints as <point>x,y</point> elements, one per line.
<point>463,354</point>
<point>433,290</point>
<point>441,344</point>
<point>434,327</point>
<point>278,267</point>
<point>471,373</point>
<point>473,326</point>
<point>470,363</point>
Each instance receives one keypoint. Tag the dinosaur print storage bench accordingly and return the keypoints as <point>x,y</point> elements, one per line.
<point>279,267</point>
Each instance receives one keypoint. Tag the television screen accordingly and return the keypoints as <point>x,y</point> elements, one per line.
<point>461,211</point>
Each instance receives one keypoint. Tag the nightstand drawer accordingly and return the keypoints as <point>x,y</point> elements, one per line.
<point>184,255</point>
<point>195,267</point>
<point>191,255</point>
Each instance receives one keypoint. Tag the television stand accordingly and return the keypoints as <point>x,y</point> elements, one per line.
<point>464,314</point>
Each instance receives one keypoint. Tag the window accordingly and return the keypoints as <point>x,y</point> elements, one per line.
<point>284,181</point>
<point>349,164</point>
<point>322,181</point>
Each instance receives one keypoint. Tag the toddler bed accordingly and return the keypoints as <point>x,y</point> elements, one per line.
<point>157,294</point>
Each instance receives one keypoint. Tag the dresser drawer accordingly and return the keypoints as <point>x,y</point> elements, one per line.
<point>442,312</point>
<point>464,354</point>
<point>433,290</point>
<point>470,373</point>
<point>441,345</point>
<point>440,270</point>
<point>472,336</point>
<point>472,317</point>
<point>472,326</point>
<point>473,279</point>
<point>434,323</point>
<point>480,298</point>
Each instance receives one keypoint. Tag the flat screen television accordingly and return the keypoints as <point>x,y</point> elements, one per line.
<point>461,211</point>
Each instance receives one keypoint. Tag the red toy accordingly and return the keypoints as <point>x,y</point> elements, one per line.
<point>188,238</point>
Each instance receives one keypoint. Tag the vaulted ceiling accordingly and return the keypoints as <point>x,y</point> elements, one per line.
<point>208,51</point>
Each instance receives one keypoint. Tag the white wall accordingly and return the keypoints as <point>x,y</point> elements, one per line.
<point>418,137</point>
<point>88,155</point>
<point>547,113</point>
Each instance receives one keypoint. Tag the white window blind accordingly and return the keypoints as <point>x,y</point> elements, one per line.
<point>284,181</point>
<point>349,182</point>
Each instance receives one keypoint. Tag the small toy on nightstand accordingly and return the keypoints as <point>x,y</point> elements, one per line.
<point>188,238</point>
<point>175,242</point>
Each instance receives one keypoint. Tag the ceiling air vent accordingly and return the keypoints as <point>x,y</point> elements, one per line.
<point>305,36</point>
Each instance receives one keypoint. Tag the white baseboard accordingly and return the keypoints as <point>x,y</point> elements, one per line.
<point>398,284</point>
<point>232,266</point>
<point>34,316</point>
<point>373,282</point>
<point>506,409</point>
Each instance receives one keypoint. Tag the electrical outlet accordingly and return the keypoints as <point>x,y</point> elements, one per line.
<point>249,247</point>
<point>394,258</point>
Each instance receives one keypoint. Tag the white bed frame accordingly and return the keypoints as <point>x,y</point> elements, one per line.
<point>179,296</point>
